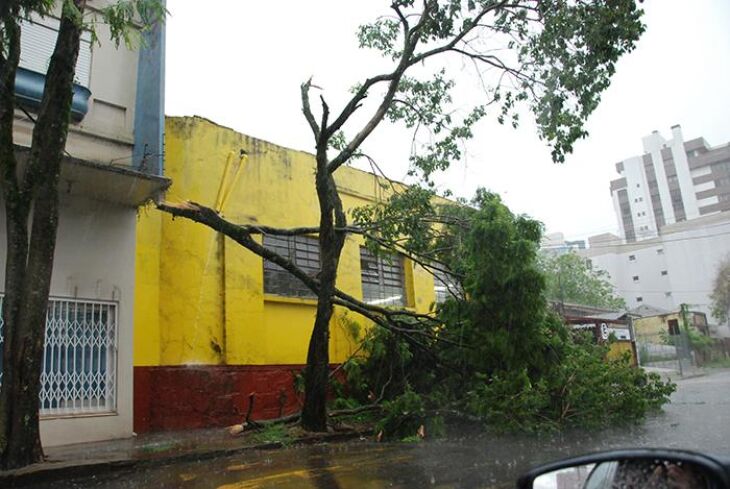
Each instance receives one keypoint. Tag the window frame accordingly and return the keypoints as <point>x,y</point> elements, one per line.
<point>303,251</point>
<point>378,273</point>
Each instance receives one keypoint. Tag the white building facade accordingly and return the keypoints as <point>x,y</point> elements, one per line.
<point>673,181</point>
<point>114,165</point>
<point>677,267</point>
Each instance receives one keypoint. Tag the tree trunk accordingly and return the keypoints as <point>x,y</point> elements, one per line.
<point>30,261</point>
<point>331,241</point>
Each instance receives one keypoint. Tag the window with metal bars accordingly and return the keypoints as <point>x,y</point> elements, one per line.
<point>382,278</point>
<point>303,251</point>
<point>79,373</point>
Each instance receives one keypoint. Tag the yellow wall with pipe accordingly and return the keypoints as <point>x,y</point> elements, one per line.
<point>199,296</point>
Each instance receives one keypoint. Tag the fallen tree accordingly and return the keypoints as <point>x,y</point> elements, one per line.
<point>556,57</point>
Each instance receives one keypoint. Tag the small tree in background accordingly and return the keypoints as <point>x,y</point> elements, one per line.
<point>570,278</point>
<point>31,236</point>
<point>721,292</point>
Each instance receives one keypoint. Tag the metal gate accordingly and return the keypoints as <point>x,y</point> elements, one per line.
<point>667,350</point>
<point>79,373</point>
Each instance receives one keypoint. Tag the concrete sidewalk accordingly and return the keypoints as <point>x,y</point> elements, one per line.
<point>87,459</point>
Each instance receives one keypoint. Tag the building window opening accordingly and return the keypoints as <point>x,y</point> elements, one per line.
<point>382,277</point>
<point>673,327</point>
<point>303,251</point>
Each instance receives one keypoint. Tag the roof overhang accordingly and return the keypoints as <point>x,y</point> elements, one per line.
<point>117,184</point>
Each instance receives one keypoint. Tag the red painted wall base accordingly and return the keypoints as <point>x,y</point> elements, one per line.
<point>208,396</point>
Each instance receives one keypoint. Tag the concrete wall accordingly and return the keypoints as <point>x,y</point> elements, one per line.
<point>94,253</point>
<point>200,304</point>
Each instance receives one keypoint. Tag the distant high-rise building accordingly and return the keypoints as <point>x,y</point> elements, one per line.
<point>556,243</point>
<point>673,181</point>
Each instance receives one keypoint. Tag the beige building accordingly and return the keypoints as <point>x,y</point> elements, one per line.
<point>113,165</point>
<point>669,323</point>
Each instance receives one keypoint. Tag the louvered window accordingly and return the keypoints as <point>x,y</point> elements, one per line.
<point>303,251</point>
<point>37,42</point>
<point>382,279</point>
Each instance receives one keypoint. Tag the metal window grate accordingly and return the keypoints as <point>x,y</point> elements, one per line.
<point>382,279</point>
<point>303,251</point>
<point>79,373</point>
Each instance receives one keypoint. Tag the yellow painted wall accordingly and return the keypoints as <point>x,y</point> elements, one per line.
<point>199,296</point>
<point>652,326</point>
<point>618,348</point>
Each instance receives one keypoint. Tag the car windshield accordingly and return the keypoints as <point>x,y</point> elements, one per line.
<point>360,244</point>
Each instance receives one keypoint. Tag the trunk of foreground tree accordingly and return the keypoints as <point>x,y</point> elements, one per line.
<point>29,261</point>
<point>316,374</point>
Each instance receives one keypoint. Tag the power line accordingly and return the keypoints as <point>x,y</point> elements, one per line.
<point>720,224</point>
<point>647,245</point>
<point>648,291</point>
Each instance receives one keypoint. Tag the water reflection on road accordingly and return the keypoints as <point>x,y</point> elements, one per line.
<point>698,418</point>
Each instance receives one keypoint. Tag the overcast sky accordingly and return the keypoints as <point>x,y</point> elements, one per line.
<point>240,64</point>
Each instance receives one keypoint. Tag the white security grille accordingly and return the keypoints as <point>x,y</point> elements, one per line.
<point>80,360</point>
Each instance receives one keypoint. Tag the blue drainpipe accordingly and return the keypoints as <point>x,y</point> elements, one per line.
<point>149,110</point>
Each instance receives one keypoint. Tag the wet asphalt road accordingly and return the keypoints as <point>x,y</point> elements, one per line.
<point>698,418</point>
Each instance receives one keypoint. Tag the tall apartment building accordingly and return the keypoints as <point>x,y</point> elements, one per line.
<point>113,165</point>
<point>673,181</point>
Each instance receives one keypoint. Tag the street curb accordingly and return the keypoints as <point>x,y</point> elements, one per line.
<point>47,472</point>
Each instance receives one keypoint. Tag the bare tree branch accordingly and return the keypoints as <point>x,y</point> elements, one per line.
<point>409,45</point>
<point>241,235</point>
<point>457,38</point>
<point>307,109</point>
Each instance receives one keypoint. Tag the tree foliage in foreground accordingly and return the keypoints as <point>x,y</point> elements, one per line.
<point>570,278</point>
<point>500,356</point>
<point>553,57</point>
<point>721,292</point>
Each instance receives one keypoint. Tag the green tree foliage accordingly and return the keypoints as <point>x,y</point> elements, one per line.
<point>570,278</point>
<point>499,355</point>
<point>721,292</point>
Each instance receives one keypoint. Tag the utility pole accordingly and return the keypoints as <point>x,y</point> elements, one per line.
<point>560,288</point>
<point>684,335</point>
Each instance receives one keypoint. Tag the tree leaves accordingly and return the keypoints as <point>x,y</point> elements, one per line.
<point>721,292</point>
<point>571,279</point>
<point>557,56</point>
<point>122,15</point>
